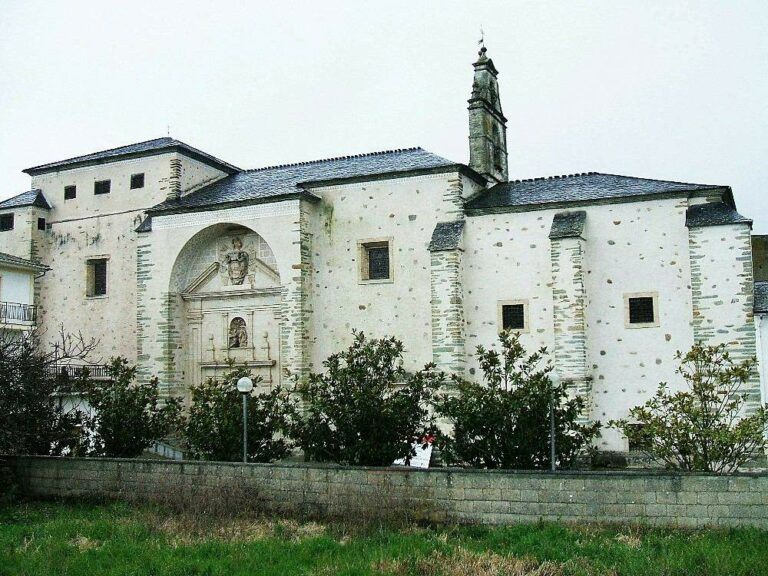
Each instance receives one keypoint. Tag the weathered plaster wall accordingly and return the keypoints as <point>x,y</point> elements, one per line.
<point>403,210</point>
<point>627,248</point>
<point>94,226</point>
<point>24,240</point>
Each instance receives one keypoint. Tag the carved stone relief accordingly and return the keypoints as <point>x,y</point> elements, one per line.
<point>238,334</point>
<point>237,262</point>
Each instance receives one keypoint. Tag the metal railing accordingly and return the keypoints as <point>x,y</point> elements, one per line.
<point>95,371</point>
<point>14,311</point>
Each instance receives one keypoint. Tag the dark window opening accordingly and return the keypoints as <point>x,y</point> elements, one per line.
<point>101,187</point>
<point>513,317</point>
<point>97,277</point>
<point>137,181</point>
<point>378,263</point>
<point>6,222</point>
<point>70,192</point>
<point>641,310</point>
<point>41,223</point>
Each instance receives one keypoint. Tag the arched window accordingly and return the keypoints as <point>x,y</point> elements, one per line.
<point>238,335</point>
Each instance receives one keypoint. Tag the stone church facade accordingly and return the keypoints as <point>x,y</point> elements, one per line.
<point>181,261</point>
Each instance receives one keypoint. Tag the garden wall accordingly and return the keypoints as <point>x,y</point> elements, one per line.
<point>476,496</point>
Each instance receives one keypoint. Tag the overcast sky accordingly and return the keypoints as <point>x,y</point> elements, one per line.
<point>659,89</point>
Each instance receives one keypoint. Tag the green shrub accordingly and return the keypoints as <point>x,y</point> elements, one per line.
<point>32,420</point>
<point>214,427</point>
<point>505,421</point>
<point>365,409</point>
<point>128,417</point>
<point>704,427</point>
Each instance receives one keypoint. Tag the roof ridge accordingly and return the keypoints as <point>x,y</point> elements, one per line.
<point>332,159</point>
<point>555,177</point>
<point>169,138</point>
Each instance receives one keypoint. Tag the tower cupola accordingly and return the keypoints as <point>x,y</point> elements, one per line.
<point>487,124</point>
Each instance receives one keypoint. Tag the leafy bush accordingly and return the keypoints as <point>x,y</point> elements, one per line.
<point>32,420</point>
<point>505,422</point>
<point>365,409</point>
<point>127,417</point>
<point>214,427</point>
<point>703,428</point>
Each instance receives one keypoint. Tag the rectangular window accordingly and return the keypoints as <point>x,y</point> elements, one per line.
<point>6,222</point>
<point>96,277</point>
<point>137,181</point>
<point>101,187</point>
<point>375,261</point>
<point>513,315</point>
<point>70,192</point>
<point>641,310</point>
<point>41,223</point>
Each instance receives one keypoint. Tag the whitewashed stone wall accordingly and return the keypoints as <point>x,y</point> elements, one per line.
<point>94,226</point>
<point>405,211</point>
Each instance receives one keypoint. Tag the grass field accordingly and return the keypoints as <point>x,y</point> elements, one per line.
<point>88,539</point>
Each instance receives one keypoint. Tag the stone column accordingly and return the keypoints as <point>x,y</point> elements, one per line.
<point>568,295</point>
<point>446,299</point>
<point>720,252</point>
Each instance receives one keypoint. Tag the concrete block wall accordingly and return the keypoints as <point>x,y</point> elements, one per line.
<point>452,495</point>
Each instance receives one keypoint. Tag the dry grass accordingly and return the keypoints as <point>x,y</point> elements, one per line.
<point>462,562</point>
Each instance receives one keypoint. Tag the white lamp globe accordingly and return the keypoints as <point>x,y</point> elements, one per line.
<point>244,385</point>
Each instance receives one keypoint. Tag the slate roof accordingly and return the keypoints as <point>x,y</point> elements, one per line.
<point>713,214</point>
<point>146,225</point>
<point>264,184</point>
<point>148,148</point>
<point>568,224</point>
<point>21,262</point>
<point>446,236</point>
<point>575,188</point>
<point>28,198</point>
<point>761,297</point>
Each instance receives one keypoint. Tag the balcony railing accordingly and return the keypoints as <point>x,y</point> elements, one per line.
<point>15,312</point>
<point>95,371</point>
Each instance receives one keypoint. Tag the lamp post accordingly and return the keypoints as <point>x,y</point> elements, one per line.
<point>245,386</point>
<point>554,380</point>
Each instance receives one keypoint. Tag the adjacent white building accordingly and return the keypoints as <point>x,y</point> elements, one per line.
<point>181,261</point>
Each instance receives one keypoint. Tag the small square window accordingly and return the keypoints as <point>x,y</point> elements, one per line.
<point>41,223</point>
<point>101,187</point>
<point>513,315</point>
<point>137,181</point>
<point>6,222</point>
<point>96,277</point>
<point>70,192</point>
<point>641,310</point>
<point>375,261</point>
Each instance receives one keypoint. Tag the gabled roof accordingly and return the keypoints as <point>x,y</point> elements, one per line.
<point>16,262</point>
<point>713,214</point>
<point>575,188</point>
<point>28,198</point>
<point>148,148</point>
<point>274,182</point>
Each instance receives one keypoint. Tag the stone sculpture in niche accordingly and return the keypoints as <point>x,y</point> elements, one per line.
<point>237,262</point>
<point>238,335</point>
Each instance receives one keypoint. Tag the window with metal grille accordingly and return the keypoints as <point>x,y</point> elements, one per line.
<point>641,310</point>
<point>97,277</point>
<point>137,181</point>
<point>41,223</point>
<point>6,222</point>
<point>513,317</point>
<point>375,261</point>
<point>70,192</point>
<point>101,187</point>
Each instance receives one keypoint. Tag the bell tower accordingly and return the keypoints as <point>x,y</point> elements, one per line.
<point>487,124</point>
